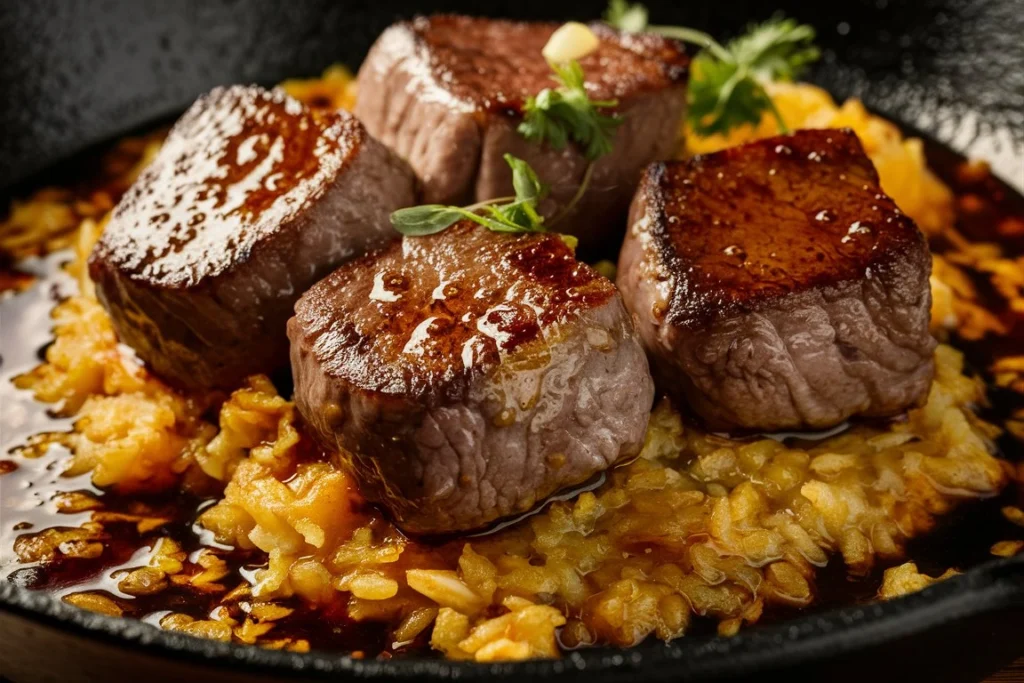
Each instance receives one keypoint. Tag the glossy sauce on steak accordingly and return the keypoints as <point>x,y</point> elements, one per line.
<point>776,286</point>
<point>447,93</point>
<point>251,200</point>
<point>469,375</point>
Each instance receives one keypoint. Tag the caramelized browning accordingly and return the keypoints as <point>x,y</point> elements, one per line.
<point>251,200</point>
<point>494,65</point>
<point>777,287</point>
<point>446,93</point>
<point>745,226</point>
<point>420,318</point>
<point>239,165</point>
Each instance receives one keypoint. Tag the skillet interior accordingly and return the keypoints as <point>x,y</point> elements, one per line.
<point>946,75</point>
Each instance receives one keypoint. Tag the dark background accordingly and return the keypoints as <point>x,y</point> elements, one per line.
<point>76,72</point>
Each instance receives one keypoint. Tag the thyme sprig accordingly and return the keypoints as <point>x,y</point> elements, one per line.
<point>502,214</point>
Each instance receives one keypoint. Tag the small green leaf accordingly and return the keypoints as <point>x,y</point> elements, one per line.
<point>778,49</point>
<point>729,92</point>
<point>427,219</point>
<point>722,98</point>
<point>625,16</point>
<point>495,222</point>
<point>539,125</point>
<point>516,214</point>
<point>556,116</point>
<point>527,185</point>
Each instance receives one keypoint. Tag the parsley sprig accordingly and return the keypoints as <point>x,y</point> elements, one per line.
<point>558,115</point>
<point>726,82</point>
<point>503,214</point>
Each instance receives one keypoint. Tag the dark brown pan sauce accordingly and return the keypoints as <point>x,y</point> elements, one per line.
<point>987,210</point>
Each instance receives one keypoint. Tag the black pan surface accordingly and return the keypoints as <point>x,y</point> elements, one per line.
<point>74,74</point>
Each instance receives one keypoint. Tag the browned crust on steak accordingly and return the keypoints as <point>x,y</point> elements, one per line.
<point>776,286</point>
<point>466,376</point>
<point>179,224</point>
<point>388,326</point>
<point>494,65</point>
<point>739,229</point>
<point>447,92</point>
<point>251,199</point>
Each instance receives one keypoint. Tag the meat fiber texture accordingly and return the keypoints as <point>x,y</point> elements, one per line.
<point>469,375</point>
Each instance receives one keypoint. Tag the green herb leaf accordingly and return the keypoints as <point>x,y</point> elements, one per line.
<point>723,97</point>
<point>631,18</point>
<point>426,219</point>
<point>726,83</point>
<point>504,214</point>
<point>527,185</point>
<point>568,113</point>
<point>777,50</point>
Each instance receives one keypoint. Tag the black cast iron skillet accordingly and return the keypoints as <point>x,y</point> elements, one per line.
<point>74,74</point>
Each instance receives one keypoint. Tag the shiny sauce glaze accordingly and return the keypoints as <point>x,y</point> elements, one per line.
<point>392,322</point>
<point>494,66</point>
<point>750,224</point>
<point>262,158</point>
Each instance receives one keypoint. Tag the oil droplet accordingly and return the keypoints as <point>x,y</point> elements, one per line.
<point>857,228</point>
<point>380,292</point>
<point>735,250</point>
<point>443,291</point>
<point>419,336</point>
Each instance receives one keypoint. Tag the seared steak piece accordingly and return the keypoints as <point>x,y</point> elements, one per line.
<point>446,93</point>
<point>468,375</point>
<point>776,286</point>
<point>251,200</point>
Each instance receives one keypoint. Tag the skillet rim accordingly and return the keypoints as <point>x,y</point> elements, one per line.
<point>986,588</point>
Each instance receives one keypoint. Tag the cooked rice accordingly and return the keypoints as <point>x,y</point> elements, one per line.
<point>905,578</point>
<point>699,526</point>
